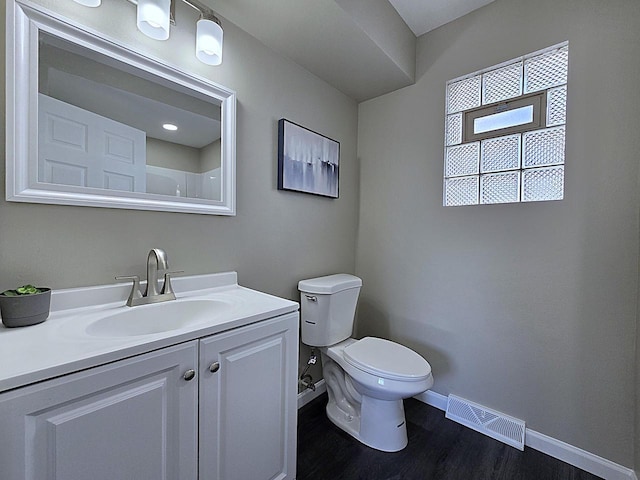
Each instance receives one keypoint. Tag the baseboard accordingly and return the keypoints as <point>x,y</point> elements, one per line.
<point>434,399</point>
<point>575,456</point>
<point>308,395</point>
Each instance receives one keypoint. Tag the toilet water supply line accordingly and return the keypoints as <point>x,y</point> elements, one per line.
<point>306,380</point>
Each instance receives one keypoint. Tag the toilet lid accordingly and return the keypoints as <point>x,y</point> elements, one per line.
<point>387,359</point>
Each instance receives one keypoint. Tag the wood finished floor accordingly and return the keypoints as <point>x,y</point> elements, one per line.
<point>438,449</point>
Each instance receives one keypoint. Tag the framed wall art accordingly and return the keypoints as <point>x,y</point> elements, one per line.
<point>307,161</point>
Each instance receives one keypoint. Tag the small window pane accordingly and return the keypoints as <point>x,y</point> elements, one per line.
<point>546,70</point>
<point>454,129</point>
<point>461,191</point>
<point>462,159</point>
<point>502,84</point>
<point>543,147</point>
<point>501,153</point>
<point>557,106</point>
<point>500,187</point>
<point>498,121</point>
<point>464,95</point>
<point>539,184</point>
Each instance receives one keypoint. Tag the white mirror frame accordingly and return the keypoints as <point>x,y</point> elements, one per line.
<point>24,22</point>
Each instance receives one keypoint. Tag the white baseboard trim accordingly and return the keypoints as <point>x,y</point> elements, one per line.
<point>308,395</point>
<point>434,399</point>
<point>575,456</point>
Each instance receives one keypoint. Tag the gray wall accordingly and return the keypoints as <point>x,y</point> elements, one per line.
<point>160,153</point>
<point>529,309</point>
<point>276,238</point>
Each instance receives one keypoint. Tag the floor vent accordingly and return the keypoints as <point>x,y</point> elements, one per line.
<point>493,424</point>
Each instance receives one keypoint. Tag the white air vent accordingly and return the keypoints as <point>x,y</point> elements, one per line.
<point>493,424</point>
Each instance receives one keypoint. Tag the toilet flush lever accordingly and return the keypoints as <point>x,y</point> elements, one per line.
<point>312,298</point>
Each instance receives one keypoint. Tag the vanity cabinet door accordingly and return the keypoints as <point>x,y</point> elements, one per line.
<point>248,400</point>
<point>131,419</point>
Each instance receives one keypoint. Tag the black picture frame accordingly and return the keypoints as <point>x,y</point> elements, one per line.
<point>308,162</point>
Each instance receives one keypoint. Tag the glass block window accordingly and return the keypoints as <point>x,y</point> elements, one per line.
<point>461,190</point>
<point>454,129</point>
<point>505,131</point>
<point>463,160</point>
<point>463,94</point>
<point>546,70</point>
<point>543,184</point>
<point>543,147</point>
<point>502,83</point>
<point>501,153</point>
<point>501,187</point>
<point>557,106</point>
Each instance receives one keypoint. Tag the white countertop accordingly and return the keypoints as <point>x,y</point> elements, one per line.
<point>61,344</point>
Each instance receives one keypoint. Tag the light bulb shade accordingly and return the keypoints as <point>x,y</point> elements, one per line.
<point>154,18</point>
<point>209,42</point>
<point>89,3</point>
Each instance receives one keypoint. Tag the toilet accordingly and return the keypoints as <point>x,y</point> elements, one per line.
<point>366,379</point>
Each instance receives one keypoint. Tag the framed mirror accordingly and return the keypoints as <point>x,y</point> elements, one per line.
<point>91,122</point>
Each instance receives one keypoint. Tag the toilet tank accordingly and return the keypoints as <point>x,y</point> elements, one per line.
<point>327,308</point>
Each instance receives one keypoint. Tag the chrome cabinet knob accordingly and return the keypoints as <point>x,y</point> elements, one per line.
<point>214,367</point>
<point>189,374</point>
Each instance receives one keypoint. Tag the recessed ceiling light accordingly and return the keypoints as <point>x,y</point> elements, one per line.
<point>170,126</point>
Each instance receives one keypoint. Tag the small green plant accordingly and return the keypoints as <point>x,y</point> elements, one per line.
<point>24,290</point>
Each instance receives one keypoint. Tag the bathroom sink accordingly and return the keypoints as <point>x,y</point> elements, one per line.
<point>157,318</point>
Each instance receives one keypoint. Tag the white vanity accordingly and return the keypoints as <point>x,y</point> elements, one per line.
<point>202,387</point>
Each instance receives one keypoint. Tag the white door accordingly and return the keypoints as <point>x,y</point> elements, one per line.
<point>248,390</point>
<point>80,148</point>
<point>132,419</point>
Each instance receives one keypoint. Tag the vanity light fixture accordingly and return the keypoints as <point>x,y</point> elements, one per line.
<point>89,3</point>
<point>209,39</point>
<point>154,18</point>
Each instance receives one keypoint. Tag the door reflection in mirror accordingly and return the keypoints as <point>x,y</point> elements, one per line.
<point>101,126</point>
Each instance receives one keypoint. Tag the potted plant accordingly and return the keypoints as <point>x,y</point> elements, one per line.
<point>26,305</point>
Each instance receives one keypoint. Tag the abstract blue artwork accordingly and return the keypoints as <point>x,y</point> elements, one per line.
<point>307,161</point>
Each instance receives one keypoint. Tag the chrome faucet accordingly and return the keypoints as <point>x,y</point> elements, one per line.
<point>156,260</point>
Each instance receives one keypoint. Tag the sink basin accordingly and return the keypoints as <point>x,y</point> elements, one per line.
<point>157,318</point>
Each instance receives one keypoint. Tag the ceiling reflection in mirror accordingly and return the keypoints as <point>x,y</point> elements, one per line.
<point>106,125</point>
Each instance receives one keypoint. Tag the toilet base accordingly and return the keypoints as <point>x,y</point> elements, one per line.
<point>377,423</point>
<point>380,425</point>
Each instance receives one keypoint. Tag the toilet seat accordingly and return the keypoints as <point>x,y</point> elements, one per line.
<point>387,359</point>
